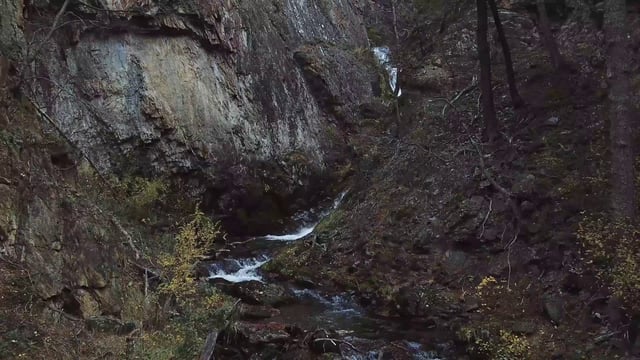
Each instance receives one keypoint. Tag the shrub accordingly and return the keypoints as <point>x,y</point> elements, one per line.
<point>611,246</point>
<point>488,344</point>
<point>193,242</point>
<point>201,308</point>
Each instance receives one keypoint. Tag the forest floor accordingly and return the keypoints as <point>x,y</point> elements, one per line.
<point>480,241</point>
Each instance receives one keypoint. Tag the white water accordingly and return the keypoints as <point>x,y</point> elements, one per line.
<point>248,271</point>
<point>383,54</point>
<point>307,229</point>
<point>292,237</point>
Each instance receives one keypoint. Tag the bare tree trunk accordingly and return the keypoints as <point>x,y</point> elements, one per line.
<point>395,91</point>
<point>623,191</point>
<point>547,37</point>
<point>488,108</point>
<point>508,62</point>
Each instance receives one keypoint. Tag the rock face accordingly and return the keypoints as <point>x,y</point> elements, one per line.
<point>11,36</point>
<point>197,84</point>
<point>239,98</point>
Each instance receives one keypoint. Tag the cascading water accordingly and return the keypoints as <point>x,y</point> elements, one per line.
<point>314,310</point>
<point>243,270</point>
<point>237,271</point>
<point>383,54</point>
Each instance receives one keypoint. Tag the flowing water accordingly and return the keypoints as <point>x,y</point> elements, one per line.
<point>313,309</point>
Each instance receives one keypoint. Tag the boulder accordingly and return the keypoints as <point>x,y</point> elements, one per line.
<point>255,312</point>
<point>553,308</point>
<point>258,293</point>
<point>260,334</point>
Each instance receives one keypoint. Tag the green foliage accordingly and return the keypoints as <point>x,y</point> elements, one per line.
<point>193,242</point>
<point>486,344</point>
<point>331,222</point>
<point>141,195</point>
<point>184,336</point>
<point>611,246</point>
<point>374,35</point>
<point>201,308</point>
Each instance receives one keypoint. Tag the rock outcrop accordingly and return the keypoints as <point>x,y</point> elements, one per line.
<point>211,90</point>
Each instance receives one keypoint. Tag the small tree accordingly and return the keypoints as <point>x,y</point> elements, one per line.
<point>488,107</point>
<point>194,240</point>
<point>516,100</point>
<point>547,37</point>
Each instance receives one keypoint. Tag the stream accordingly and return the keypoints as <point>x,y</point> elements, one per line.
<point>313,309</point>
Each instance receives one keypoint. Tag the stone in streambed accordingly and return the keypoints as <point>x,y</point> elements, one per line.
<point>324,346</point>
<point>258,293</point>
<point>258,334</point>
<point>256,312</point>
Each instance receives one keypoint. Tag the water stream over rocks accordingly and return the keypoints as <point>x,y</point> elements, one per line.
<point>309,309</point>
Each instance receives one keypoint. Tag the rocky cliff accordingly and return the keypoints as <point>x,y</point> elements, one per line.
<point>241,105</point>
<point>209,89</point>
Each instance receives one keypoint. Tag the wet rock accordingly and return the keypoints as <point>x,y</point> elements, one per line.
<point>305,283</point>
<point>201,271</point>
<point>554,309</point>
<point>257,293</point>
<point>324,346</point>
<point>552,121</point>
<point>254,312</point>
<point>259,334</point>
<point>109,325</point>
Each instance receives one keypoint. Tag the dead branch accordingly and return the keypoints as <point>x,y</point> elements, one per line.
<point>5,181</point>
<point>509,258</point>
<point>484,222</point>
<point>46,38</point>
<point>209,346</point>
<point>338,341</point>
<point>56,19</point>
<point>473,85</point>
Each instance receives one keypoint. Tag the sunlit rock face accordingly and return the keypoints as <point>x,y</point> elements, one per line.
<point>184,85</point>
